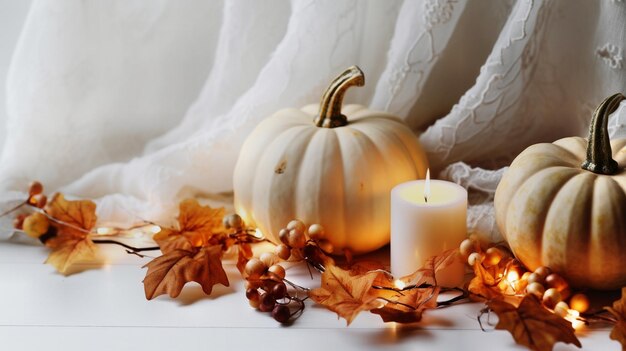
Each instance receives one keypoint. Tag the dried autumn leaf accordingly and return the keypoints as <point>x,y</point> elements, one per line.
<point>196,224</point>
<point>71,244</point>
<point>532,325</point>
<point>427,274</point>
<point>168,274</point>
<point>70,251</point>
<point>483,285</point>
<point>78,217</point>
<point>243,256</point>
<point>408,308</point>
<point>344,294</point>
<point>618,333</point>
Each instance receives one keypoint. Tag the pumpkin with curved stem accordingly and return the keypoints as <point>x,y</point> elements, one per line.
<point>327,164</point>
<point>563,205</point>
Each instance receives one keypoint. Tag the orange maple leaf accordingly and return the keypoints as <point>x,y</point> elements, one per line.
<point>428,273</point>
<point>618,333</point>
<point>532,325</point>
<point>244,254</point>
<point>71,244</point>
<point>484,285</point>
<point>197,224</point>
<point>345,294</point>
<point>409,307</point>
<point>168,274</point>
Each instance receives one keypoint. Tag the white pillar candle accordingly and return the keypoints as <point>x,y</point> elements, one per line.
<point>422,228</point>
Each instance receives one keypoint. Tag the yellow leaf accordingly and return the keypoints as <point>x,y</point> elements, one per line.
<point>70,251</point>
<point>345,294</point>
<point>197,224</point>
<point>532,325</point>
<point>78,217</point>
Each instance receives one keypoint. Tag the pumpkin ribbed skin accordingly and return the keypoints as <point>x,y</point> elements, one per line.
<point>553,213</point>
<point>340,177</point>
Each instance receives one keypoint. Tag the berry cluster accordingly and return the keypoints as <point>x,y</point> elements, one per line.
<point>36,224</point>
<point>549,287</point>
<point>266,284</point>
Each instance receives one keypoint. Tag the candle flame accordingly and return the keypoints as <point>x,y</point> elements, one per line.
<point>427,186</point>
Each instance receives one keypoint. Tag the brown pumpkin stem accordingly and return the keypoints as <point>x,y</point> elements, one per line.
<point>330,108</point>
<point>599,154</point>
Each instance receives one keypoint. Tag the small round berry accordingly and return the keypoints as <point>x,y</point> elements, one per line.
<point>36,225</point>
<point>579,302</point>
<point>18,222</point>
<point>297,226</point>
<point>252,294</point>
<point>561,309</point>
<point>467,247</point>
<point>255,303</point>
<point>267,302</point>
<point>536,278</point>
<point>283,251</point>
<point>297,239</point>
<point>38,200</point>
<point>255,268</point>
<point>283,235</point>
<point>253,284</point>
<point>316,232</point>
<point>268,258</point>
<point>281,314</point>
<point>474,258</point>
<point>279,291</point>
<point>535,289</point>
<point>551,297</point>
<point>233,221</point>
<point>278,270</point>
<point>35,188</point>
<point>543,271</point>
<point>556,281</point>
<point>493,256</point>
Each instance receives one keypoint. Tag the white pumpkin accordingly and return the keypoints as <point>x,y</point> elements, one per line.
<point>329,168</point>
<point>563,205</point>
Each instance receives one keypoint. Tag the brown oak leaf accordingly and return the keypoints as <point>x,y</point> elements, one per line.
<point>618,333</point>
<point>532,325</point>
<point>345,294</point>
<point>196,225</point>
<point>71,244</point>
<point>409,307</point>
<point>168,274</point>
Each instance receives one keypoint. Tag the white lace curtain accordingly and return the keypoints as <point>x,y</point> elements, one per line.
<point>139,104</point>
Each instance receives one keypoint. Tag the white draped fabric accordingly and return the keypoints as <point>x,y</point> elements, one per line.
<point>139,104</point>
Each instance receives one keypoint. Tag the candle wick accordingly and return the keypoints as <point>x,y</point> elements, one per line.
<point>425,198</point>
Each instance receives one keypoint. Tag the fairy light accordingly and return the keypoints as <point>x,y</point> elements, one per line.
<point>399,284</point>
<point>258,233</point>
<point>572,316</point>
<point>512,276</point>
<point>154,229</point>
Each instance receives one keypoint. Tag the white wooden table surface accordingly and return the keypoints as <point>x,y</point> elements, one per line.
<point>105,309</point>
